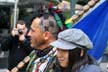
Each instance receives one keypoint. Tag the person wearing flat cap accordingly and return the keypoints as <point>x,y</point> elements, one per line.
<point>72,45</point>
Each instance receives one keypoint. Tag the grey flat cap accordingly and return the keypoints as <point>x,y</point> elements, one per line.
<point>72,38</point>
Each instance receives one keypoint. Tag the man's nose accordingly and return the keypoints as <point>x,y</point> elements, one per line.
<point>28,34</point>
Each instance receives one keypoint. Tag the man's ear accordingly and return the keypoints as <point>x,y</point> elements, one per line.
<point>46,35</point>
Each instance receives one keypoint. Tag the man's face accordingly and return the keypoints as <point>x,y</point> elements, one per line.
<point>36,35</point>
<point>22,28</point>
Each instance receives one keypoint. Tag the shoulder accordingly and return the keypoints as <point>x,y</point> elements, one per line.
<point>91,68</point>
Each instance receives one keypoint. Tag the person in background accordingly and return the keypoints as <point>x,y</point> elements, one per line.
<point>18,45</point>
<point>72,45</point>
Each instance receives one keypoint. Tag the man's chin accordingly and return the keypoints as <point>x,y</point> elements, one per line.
<point>32,46</point>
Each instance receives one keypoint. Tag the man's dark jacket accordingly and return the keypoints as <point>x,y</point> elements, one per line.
<point>17,50</point>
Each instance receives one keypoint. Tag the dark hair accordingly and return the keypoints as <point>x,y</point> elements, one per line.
<point>46,11</point>
<point>48,19</point>
<point>21,22</point>
<point>76,61</point>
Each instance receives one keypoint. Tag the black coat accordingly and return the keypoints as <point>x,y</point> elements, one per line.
<point>17,50</point>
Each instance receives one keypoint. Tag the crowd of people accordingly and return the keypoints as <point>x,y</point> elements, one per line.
<point>49,45</point>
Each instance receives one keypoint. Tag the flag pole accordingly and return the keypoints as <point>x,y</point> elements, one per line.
<point>72,5</point>
<point>15,12</point>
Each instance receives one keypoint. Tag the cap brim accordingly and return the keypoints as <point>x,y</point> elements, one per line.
<point>63,45</point>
